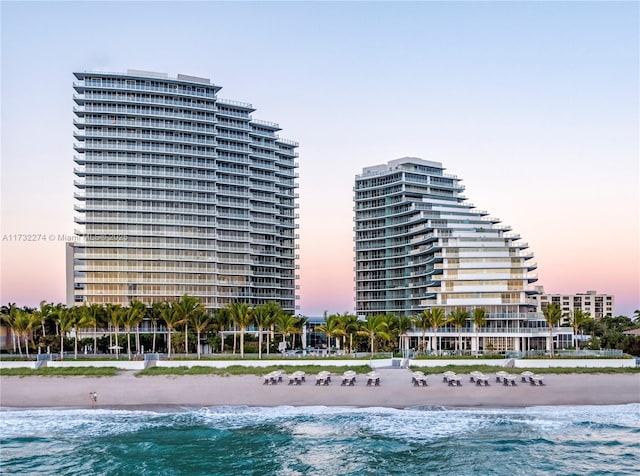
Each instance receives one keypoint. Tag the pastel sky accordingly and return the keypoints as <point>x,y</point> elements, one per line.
<point>535,105</point>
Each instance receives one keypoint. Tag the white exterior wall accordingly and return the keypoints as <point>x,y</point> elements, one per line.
<point>123,365</point>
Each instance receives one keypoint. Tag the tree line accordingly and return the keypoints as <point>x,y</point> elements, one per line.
<point>48,326</point>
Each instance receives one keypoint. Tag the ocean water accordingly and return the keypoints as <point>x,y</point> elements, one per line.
<point>575,440</point>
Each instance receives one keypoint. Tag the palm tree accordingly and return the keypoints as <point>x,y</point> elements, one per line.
<point>479,320</point>
<point>44,313</point>
<point>374,326</point>
<point>21,323</point>
<point>132,318</point>
<point>578,319</point>
<point>458,318</point>
<point>65,319</point>
<point>273,310</point>
<point>331,328</point>
<point>201,321</point>
<point>172,317</point>
<point>438,319</point>
<point>186,307</point>
<point>221,321</point>
<point>155,314</point>
<point>96,315</point>
<point>552,314</point>
<point>81,320</point>
<point>9,314</point>
<point>423,320</point>
<point>350,325</point>
<point>287,324</point>
<point>403,325</point>
<point>241,315</point>
<point>116,315</point>
<point>263,317</point>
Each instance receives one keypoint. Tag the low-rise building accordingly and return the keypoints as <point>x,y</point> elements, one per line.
<point>597,305</point>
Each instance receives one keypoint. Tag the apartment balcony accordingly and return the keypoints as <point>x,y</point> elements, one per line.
<point>155,138</point>
<point>132,173</point>
<point>124,84</point>
<point>133,99</point>
<point>142,147</point>
<point>125,220</point>
<point>142,112</point>
<point>144,123</point>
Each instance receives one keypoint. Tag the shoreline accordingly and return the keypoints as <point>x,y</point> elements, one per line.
<point>127,391</point>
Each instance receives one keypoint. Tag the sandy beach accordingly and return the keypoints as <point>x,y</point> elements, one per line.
<point>396,390</point>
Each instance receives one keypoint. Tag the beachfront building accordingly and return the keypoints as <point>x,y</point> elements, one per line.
<point>597,305</point>
<point>420,245</point>
<point>179,192</point>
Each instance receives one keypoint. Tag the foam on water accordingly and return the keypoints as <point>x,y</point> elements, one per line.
<point>322,440</point>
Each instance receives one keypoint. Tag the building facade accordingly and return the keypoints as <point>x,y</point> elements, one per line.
<point>597,305</point>
<point>179,192</point>
<point>419,245</point>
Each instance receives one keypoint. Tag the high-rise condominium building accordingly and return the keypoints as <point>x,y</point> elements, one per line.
<point>420,245</point>
<point>179,192</point>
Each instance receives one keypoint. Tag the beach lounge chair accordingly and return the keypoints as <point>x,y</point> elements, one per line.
<point>454,381</point>
<point>323,378</point>
<point>474,375</point>
<point>373,379</point>
<point>537,380</point>
<point>526,376</point>
<point>500,375</point>
<point>419,379</point>
<point>348,378</point>
<point>481,380</point>
<point>296,378</point>
<point>509,380</point>
<point>272,378</point>
<point>447,375</point>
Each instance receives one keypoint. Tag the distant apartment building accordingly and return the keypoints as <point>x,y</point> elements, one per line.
<point>419,244</point>
<point>179,191</point>
<point>597,305</point>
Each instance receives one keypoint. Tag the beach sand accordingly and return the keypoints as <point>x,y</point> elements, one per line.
<point>396,390</point>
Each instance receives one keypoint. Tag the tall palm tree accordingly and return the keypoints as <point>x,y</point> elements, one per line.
<point>331,328</point>
<point>9,314</point>
<point>116,315</point>
<point>155,314</point>
<point>242,316</point>
<point>273,310</point>
<point>96,316</point>
<point>221,321</point>
<point>287,325</point>
<point>423,321</point>
<point>404,324</point>
<point>479,320</point>
<point>374,327</point>
<point>45,314</point>
<point>263,317</point>
<point>350,325</point>
<point>81,320</point>
<point>458,318</point>
<point>21,323</point>
<point>553,315</point>
<point>172,317</point>
<point>186,307</point>
<point>201,322</point>
<point>438,319</point>
<point>577,320</point>
<point>132,318</point>
<point>64,318</point>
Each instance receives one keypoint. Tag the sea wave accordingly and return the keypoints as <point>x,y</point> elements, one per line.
<point>322,440</point>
